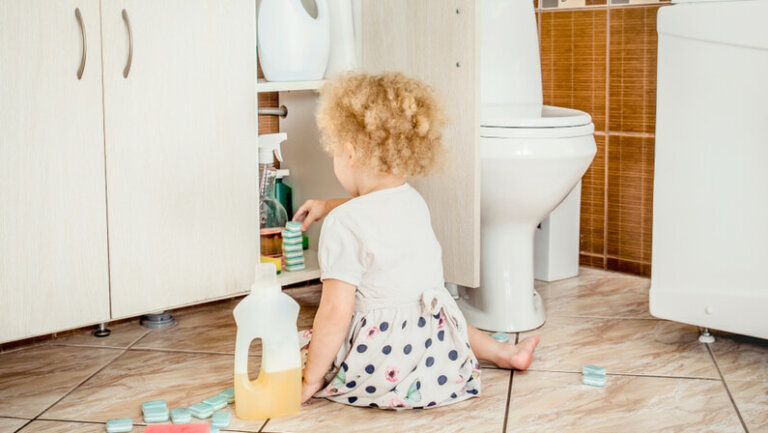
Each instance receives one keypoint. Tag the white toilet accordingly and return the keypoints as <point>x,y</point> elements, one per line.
<point>531,157</point>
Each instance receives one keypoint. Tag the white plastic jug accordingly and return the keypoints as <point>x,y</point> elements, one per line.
<point>293,46</point>
<point>342,55</point>
<point>271,315</point>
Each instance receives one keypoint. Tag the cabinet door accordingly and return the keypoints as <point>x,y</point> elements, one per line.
<point>435,41</point>
<point>53,239</point>
<point>182,161</point>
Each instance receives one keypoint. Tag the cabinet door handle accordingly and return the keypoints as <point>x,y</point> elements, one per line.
<point>80,70</point>
<point>130,45</point>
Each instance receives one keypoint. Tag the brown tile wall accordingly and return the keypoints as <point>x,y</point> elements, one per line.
<point>601,58</point>
<point>268,124</point>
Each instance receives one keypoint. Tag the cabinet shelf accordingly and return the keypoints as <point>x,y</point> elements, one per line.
<point>287,86</point>
<point>311,272</point>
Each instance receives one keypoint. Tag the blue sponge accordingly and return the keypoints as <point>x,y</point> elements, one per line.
<point>593,379</point>
<point>119,425</point>
<point>229,393</point>
<point>181,416</point>
<point>218,402</point>
<point>201,410</point>
<point>502,337</point>
<point>593,369</point>
<point>220,419</point>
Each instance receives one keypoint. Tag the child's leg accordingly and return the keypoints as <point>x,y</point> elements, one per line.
<point>512,356</point>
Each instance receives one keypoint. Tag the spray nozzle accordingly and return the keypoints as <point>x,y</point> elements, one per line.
<point>269,144</point>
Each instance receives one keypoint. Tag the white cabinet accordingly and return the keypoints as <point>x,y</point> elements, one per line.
<point>53,235</point>
<point>434,41</point>
<point>134,188</point>
<point>181,154</point>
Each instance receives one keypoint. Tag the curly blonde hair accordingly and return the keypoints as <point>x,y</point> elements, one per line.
<point>393,122</point>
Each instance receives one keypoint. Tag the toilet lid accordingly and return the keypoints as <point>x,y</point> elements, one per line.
<point>506,116</point>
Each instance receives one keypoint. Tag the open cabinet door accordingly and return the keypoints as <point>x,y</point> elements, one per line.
<point>435,41</point>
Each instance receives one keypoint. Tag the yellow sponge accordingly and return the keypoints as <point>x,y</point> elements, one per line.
<point>276,260</point>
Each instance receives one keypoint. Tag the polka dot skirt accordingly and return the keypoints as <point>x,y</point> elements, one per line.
<point>403,358</point>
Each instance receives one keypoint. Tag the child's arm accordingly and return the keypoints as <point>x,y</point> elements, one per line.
<point>331,327</point>
<point>315,210</point>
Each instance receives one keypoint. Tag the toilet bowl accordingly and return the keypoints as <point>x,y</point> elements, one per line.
<point>531,156</point>
<point>528,165</point>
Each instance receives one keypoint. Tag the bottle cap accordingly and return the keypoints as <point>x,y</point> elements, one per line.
<point>266,278</point>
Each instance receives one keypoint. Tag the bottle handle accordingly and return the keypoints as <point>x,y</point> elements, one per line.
<point>242,346</point>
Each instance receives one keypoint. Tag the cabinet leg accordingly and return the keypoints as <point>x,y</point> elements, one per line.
<point>102,331</point>
<point>157,321</point>
<point>706,337</point>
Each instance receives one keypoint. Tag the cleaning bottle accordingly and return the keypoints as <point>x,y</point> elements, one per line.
<point>271,315</point>
<point>271,213</point>
<point>283,192</point>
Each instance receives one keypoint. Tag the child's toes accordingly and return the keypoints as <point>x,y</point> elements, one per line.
<point>520,355</point>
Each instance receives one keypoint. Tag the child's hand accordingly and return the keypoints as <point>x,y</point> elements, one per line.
<point>309,389</point>
<point>315,210</point>
<point>309,212</point>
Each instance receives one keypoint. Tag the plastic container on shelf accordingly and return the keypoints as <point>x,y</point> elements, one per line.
<point>342,55</point>
<point>293,44</point>
<point>284,193</point>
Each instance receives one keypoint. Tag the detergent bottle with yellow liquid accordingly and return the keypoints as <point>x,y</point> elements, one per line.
<point>269,314</point>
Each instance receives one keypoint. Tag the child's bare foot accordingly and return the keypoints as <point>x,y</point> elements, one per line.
<point>517,356</point>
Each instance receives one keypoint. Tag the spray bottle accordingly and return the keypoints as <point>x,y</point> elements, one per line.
<point>271,315</point>
<point>272,214</point>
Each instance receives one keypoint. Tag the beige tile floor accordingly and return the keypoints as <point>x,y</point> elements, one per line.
<point>660,379</point>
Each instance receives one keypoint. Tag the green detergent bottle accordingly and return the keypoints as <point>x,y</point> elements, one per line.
<point>283,192</point>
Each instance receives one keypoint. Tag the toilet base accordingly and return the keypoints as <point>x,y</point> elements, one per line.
<point>506,300</point>
<point>533,318</point>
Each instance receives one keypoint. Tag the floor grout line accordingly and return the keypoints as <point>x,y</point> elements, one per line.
<point>79,385</point>
<point>509,398</point>
<point>88,346</point>
<point>130,346</point>
<point>147,332</point>
<point>509,391</point>
<point>263,426</point>
<point>658,376</point>
<point>74,421</point>
<point>727,389</point>
<point>23,426</point>
<point>202,352</point>
<point>192,352</point>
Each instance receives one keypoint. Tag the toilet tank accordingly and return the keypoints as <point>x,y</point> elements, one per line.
<point>510,69</point>
<point>710,206</point>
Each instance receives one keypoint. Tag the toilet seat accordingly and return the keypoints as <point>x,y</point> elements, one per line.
<point>549,116</point>
<point>500,121</point>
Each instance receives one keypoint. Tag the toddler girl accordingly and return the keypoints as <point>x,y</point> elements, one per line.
<point>387,330</point>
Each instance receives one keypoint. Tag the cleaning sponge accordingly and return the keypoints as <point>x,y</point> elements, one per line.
<point>201,410</point>
<point>220,419</point>
<point>218,402</point>
<point>229,393</point>
<point>593,375</point>
<point>181,416</point>
<point>117,425</point>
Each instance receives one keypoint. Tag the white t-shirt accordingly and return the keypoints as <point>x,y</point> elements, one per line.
<point>383,243</point>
